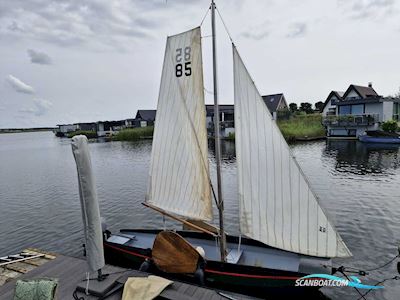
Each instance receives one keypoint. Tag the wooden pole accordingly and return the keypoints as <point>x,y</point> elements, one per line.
<point>179,219</point>
<point>222,237</point>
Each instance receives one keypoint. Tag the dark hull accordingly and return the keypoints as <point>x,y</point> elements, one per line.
<point>245,279</point>
<point>60,134</point>
<point>381,140</point>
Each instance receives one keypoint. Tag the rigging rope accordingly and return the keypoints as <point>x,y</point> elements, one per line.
<point>207,91</point>
<point>344,268</point>
<point>223,22</point>
<point>205,15</point>
<point>384,265</point>
<point>378,283</point>
<point>358,291</point>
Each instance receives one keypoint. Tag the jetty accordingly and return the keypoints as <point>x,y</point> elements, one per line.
<point>69,271</point>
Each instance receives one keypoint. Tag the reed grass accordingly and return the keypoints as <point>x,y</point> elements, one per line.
<point>302,126</point>
<point>134,134</point>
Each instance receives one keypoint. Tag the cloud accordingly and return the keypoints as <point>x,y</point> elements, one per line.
<point>64,23</point>
<point>255,36</point>
<point>38,57</point>
<point>298,29</point>
<point>40,108</point>
<point>14,26</point>
<point>258,32</point>
<point>19,86</point>
<point>367,9</point>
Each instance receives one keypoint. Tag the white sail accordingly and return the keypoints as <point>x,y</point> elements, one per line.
<point>277,205</point>
<point>179,172</point>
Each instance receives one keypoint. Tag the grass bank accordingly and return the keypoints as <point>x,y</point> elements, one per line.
<point>89,134</point>
<point>298,127</point>
<point>302,127</point>
<point>134,134</point>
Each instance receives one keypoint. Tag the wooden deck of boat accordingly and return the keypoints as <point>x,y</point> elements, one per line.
<point>70,271</point>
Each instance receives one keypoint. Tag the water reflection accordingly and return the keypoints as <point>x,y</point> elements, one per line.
<point>228,152</point>
<point>357,184</point>
<point>361,158</point>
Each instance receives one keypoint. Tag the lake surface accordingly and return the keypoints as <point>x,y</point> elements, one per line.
<point>358,187</point>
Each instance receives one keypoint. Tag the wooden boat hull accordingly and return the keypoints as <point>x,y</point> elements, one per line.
<point>235,277</point>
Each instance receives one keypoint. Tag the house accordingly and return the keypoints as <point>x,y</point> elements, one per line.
<point>276,104</point>
<point>86,126</point>
<point>226,118</point>
<point>330,103</point>
<point>64,129</point>
<point>129,123</point>
<point>107,128</point>
<point>144,118</point>
<point>360,108</point>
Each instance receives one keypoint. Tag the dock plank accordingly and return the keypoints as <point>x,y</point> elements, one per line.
<point>21,267</point>
<point>71,271</point>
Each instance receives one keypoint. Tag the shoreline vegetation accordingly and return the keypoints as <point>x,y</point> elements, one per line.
<point>297,128</point>
<point>302,127</point>
<point>134,134</point>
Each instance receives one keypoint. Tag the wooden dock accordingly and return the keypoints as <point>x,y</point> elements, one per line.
<point>70,272</point>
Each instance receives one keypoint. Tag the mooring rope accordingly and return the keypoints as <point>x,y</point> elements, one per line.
<point>379,283</point>
<point>343,269</point>
<point>358,291</point>
<point>360,272</point>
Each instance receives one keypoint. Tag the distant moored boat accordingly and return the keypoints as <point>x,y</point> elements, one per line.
<point>378,136</point>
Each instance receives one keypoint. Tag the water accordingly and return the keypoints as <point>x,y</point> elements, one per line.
<point>39,202</point>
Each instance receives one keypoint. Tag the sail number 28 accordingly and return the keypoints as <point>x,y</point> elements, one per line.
<point>183,56</point>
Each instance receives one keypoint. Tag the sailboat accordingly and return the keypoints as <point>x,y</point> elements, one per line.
<point>284,232</point>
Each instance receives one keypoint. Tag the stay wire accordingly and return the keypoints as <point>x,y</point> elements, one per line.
<point>223,22</point>
<point>205,15</point>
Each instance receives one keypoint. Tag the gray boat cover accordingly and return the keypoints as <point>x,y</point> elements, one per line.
<point>89,204</point>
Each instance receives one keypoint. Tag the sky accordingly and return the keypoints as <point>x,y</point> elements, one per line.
<point>81,61</point>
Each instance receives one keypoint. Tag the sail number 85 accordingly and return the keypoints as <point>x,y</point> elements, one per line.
<point>183,56</point>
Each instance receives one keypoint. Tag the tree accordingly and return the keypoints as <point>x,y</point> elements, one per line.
<point>390,126</point>
<point>397,95</point>
<point>319,106</point>
<point>306,107</point>
<point>293,107</point>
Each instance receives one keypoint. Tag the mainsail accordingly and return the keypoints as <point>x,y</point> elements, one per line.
<point>277,205</point>
<point>179,172</point>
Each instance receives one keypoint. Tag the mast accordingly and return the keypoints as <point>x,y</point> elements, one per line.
<point>222,237</point>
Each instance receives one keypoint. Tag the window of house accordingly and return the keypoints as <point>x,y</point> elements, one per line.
<point>395,108</point>
<point>396,111</point>
<point>344,109</point>
<point>351,132</point>
<point>357,109</point>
